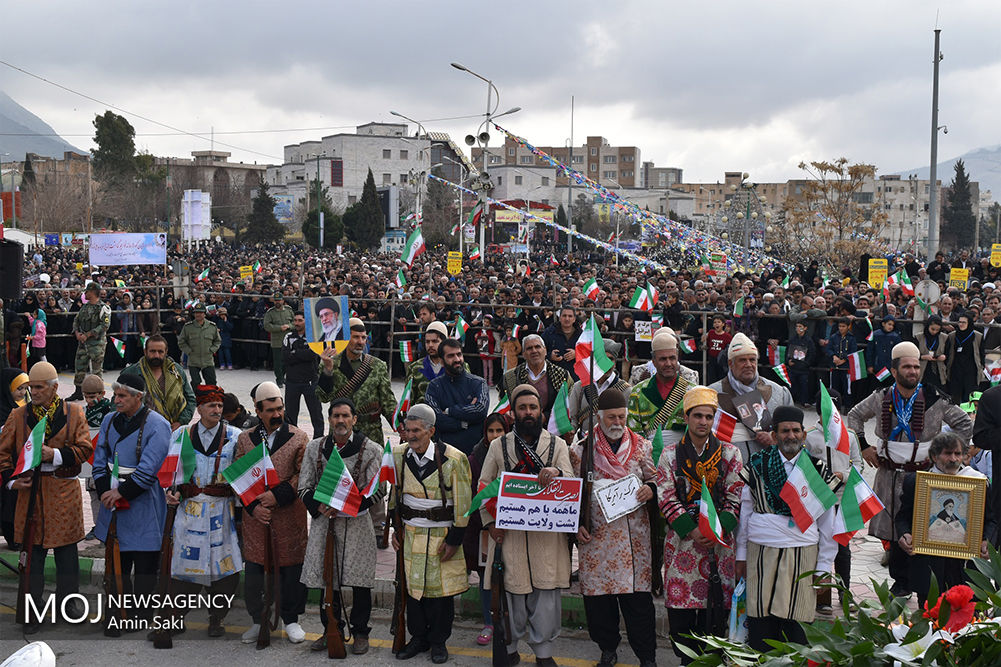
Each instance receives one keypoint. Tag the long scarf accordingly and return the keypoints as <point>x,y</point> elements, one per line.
<point>40,411</point>
<point>769,469</point>
<point>613,465</point>
<point>169,401</point>
<point>739,387</point>
<point>695,468</point>
<point>910,414</point>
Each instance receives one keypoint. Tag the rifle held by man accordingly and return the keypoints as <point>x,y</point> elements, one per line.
<point>498,611</point>
<point>272,594</point>
<point>162,637</point>
<point>113,568</point>
<point>335,640</point>
<point>27,543</point>
<point>399,622</point>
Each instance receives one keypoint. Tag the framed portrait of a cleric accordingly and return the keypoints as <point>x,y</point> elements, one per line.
<point>327,322</point>
<point>948,515</point>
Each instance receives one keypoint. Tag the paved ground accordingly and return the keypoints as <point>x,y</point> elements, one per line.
<point>74,645</point>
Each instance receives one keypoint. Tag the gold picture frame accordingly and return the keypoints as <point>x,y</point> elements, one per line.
<point>948,515</point>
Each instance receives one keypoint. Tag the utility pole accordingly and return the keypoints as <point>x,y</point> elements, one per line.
<point>570,188</point>
<point>933,171</point>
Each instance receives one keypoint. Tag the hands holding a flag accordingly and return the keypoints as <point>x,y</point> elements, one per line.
<point>266,503</point>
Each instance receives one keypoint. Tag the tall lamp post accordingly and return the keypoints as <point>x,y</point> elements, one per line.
<point>463,177</point>
<point>483,138</point>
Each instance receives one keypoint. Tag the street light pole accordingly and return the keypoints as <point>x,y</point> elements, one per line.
<point>933,170</point>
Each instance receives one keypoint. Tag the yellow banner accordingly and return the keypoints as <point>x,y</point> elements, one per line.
<point>454,262</point>
<point>878,269</point>
<point>959,278</point>
<point>996,254</point>
<point>246,272</point>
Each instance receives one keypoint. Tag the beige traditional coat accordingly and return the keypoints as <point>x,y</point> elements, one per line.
<point>617,559</point>
<point>532,560</point>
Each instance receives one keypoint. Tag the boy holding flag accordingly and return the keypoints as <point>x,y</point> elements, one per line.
<point>692,547</point>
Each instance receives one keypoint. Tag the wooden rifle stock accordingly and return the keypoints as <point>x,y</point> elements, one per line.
<point>335,640</point>
<point>498,611</point>
<point>272,592</point>
<point>399,623</point>
<point>162,637</point>
<point>113,564</point>
<point>587,472</point>
<point>27,543</point>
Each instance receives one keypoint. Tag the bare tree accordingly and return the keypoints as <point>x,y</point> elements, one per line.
<point>833,219</point>
<point>57,205</point>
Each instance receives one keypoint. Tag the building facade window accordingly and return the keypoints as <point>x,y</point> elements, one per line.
<point>628,158</point>
<point>403,179</point>
<point>495,159</point>
<point>352,200</point>
<point>610,174</point>
<point>387,179</point>
<point>578,159</point>
<point>609,159</point>
<point>337,173</point>
<point>526,159</point>
<point>387,153</point>
<point>593,166</point>
<point>545,180</point>
<point>517,180</point>
<point>510,152</point>
<point>404,155</point>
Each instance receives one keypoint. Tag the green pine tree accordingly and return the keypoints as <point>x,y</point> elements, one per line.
<point>364,222</point>
<point>262,225</point>
<point>333,226</point>
<point>957,215</point>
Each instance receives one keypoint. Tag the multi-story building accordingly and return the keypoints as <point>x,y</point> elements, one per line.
<point>612,166</point>
<point>660,177</point>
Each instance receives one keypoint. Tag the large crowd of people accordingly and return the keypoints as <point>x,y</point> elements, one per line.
<point>744,345</point>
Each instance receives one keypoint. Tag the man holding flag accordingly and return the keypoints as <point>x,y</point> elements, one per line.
<point>131,447</point>
<point>434,487</point>
<point>786,530</point>
<point>908,415</point>
<point>615,557</point>
<point>50,435</point>
<point>206,550</point>
<point>695,474</point>
<point>278,510</point>
<point>354,560</point>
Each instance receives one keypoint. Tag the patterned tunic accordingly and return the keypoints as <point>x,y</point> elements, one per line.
<point>616,560</point>
<point>355,549</point>
<point>206,548</point>
<point>427,575</point>
<point>59,502</point>
<point>686,564</point>
<point>373,399</point>
<point>645,401</point>
<point>288,519</point>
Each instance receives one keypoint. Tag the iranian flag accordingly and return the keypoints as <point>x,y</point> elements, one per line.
<point>783,373</point>
<point>785,283</point>
<point>738,307</point>
<point>657,319</point>
<point>407,351</point>
<point>202,276</point>
<point>858,504</point>
<point>387,472</point>
<point>835,431</point>
<point>252,474</point>
<point>559,418</point>
<point>336,489</point>
<point>413,247</point>
<point>30,456</point>
<point>641,299</point>
<point>461,327</point>
<point>591,290</point>
<point>503,406</point>
<point>709,524</point>
<point>403,405</point>
<point>553,260</point>
<point>590,347</point>
<point>868,323</point>
<point>401,280</point>
<point>486,497</point>
<point>993,372</point>
<point>658,445</point>
<point>883,374</point>
<point>517,330</point>
<point>903,280</point>
<point>119,346</point>
<point>475,214</point>
<point>688,346</point>
<point>806,493</point>
<point>179,465</point>
<point>723,425</point>
<point>475,254</point>
<point>142,341</point>
<point>256,266</point>
<point>776,354</point>
<point>856,366</point>
<point>115,477</point>
<point>611,237</point>
<point>654,294</point>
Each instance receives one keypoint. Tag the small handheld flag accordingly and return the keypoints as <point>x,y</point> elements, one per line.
<point>709,523</point>
<point>806,493</point>
<point>559,418</point>
<point>856,366</point>
<point>179,465</point>
<point>883,374</point>
<point>202,276</point>
<point>252,474</point>
<point>335,488</point>
<point>413,247</point>
<point>835,430</point>
<point>403,406</point>
<point>407,351</point>
<point>30,456</point>
<point>738,307</point>
<point>783,373</point>
<point>591,289</point>
<point>387,472</point>
<point>688,346</point>
<point>485,497</point>
<point>503,406</point>
<point>119,346</point>
<point>723,426</point>
<point>858,504</point>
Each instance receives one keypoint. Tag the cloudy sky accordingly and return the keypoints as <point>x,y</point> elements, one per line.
<point>708,87</point>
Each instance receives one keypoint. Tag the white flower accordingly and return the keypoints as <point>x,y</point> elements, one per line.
<point>912,653</point>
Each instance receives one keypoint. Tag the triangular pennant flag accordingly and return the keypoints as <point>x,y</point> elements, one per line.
<point>119,346</point>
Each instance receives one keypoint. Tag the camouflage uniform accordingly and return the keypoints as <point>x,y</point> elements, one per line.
<point>274,319</point>
<point>92,320</point>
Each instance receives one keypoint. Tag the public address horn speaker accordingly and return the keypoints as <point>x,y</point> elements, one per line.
<point>11,270</point>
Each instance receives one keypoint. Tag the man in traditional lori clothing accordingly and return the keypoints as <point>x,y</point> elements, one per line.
<point>771,550</point>
<point>434,486</point>
<point>354,549</point>
<point>908,415</point>
<point>168,391</point>
<point>133,442</point>
<point>537,371</point>
<point>206,550</point>
<point>693,561</point>
<point>615,555</point>
<point>536,564</point>
<point>421,371</point>
<point>277,513</point>
<point>58,504</point>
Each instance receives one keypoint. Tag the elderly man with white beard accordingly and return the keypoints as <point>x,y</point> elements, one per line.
<point>615,556</point>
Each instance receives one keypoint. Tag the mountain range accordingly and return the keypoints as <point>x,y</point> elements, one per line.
<point>982,164</point>
<point>23,132</point>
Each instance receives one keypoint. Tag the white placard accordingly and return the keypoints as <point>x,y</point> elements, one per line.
<point>523,505</point>
<point>644,330</point>
<point>617,498</point>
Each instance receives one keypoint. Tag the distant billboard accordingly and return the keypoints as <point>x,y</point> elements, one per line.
<point>284,205</point>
